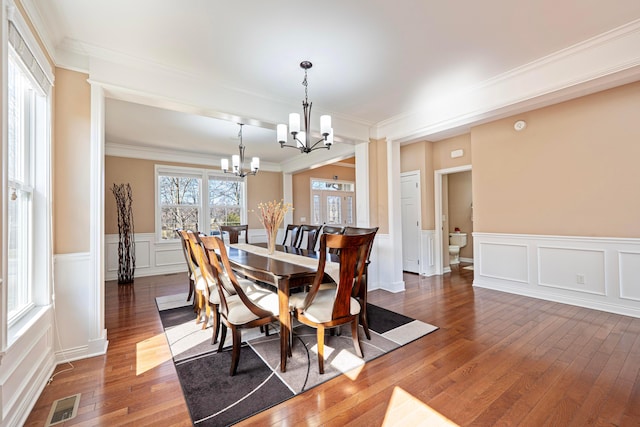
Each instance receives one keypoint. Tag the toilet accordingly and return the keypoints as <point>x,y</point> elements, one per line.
<point>456,241</point>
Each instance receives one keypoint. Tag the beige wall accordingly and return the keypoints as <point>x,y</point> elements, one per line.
<point>442,152</point>
<point>141,175</point>
<point>419,156</point>
<point>573,170</point>
<point>460,199</point>
<point>71,154</point>
<point>264,187</point>
<point>301,183</point>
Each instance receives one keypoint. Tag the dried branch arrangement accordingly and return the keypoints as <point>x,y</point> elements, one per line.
<point>271,215</point>
<point>126,242</point>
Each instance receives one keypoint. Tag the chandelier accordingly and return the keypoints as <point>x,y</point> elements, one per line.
<point>301,138</point>
<point>237,161</point>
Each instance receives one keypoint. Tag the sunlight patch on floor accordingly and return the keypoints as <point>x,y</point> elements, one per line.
<point>406,410</point>
<point>344,361</point>
<point>151,353</point>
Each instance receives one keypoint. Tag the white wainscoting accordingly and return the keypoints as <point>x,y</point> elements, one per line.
<point>78,322</point>
<point>598,273</point>
<point>157,257</point>
<point>26,366</point>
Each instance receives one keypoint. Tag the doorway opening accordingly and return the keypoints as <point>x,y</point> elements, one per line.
<point>444,226</point>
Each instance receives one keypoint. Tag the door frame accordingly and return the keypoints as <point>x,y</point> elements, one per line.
<point>438,210</point>
<point>417,174</point>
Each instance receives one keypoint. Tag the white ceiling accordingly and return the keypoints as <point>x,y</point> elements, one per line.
<point>375,61</point>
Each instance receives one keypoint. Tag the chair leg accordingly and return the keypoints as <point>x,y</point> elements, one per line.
<point>320,337</point>
<point>356,338</point>
<point>199,298</point>
<point>190,289</point>
<point>216,325</point>
<point>207,315</point>
<point>363,320</point>
<point>223,336</point>
<point>235,354</point>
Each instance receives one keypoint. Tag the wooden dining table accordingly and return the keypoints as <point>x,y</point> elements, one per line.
<point>283,275</point>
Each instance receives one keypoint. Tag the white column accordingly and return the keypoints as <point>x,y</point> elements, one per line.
<point>394,282</point>
<point>97,332</point>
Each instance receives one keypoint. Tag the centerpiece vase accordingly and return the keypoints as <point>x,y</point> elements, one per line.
<point>271,241</point>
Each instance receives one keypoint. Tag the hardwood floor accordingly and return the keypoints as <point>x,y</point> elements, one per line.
<point>497,359</point>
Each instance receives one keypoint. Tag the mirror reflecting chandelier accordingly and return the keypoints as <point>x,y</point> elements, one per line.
<point>301,139</point>
<point>237,161</point>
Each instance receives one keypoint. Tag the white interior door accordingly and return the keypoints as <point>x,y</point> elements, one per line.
<point>410,203</point>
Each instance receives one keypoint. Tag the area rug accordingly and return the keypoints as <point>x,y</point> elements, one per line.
<point>216,399</point>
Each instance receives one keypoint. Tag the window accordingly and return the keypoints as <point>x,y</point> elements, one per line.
<point>179,204</point>
<point>21,130</point>
<point>226,201</point>
<point>183,203</point>
<point>332,202</point>
<point>27,170</point>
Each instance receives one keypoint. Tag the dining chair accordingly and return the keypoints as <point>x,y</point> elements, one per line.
<point>234,232</point>
<point>201,287</point>
<point>190,262</point>
<point>239,308</point>
<point>312,232</point>
<point>293,229</point>
<point>362,290</point>
<point>323,309</point>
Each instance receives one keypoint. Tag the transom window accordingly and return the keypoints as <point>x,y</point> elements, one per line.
<point>184,202</point>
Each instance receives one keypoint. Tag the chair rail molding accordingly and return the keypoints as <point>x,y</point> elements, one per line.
<point>594,272</point>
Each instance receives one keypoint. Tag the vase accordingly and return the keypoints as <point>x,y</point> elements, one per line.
<point>271,241</point>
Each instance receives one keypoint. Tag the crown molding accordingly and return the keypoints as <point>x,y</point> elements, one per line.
<point>124,149</point>
<point>604,61</point>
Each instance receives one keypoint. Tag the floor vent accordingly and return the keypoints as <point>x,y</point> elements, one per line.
<point>63,409</point>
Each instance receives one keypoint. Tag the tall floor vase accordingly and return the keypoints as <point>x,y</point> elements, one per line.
<point>126,242</point>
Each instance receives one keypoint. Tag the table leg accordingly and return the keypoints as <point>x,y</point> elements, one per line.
<point>285,323</point>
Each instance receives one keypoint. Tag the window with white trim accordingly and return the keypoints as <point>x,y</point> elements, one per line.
<point>184,203</point>
<point>26,170</point>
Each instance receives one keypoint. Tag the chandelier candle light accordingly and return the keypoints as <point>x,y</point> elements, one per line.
<point>301,138</point>
<point>271,215</point>
<point>237,161</point>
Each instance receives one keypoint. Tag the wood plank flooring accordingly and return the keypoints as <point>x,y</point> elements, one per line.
<point>497,359</point>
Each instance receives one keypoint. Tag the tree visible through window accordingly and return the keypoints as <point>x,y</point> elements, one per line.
<point>179,204</point>
<point>185,203</point>
<point>225,202</point>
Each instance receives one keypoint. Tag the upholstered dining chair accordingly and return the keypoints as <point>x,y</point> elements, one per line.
<point>239,308</point>
<point>186,251</point>
<point>311,232</point>
<point>201,306</point>
<point>329,308</point>
<point>361,291</point>
<point>293,230</point>
<point>235,231</point>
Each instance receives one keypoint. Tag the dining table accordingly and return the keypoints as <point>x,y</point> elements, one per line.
<point>287,269</point>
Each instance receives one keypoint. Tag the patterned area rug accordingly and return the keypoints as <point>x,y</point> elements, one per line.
<point>214,398</point>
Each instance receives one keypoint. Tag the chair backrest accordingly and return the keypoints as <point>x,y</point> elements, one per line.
<point>353,257</point>
<point>293,229</point>
<point>332,229</point>
<point>217,262</point>
<point>188,253</point>
<point>354,231</point>
<point>312,233</point>
<point>235,231</point>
